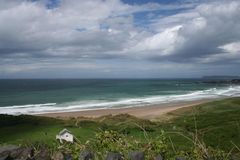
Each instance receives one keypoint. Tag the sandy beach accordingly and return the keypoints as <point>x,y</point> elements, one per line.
<point>146,112</point>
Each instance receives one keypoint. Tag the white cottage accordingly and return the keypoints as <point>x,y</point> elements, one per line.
<point>65,135</point>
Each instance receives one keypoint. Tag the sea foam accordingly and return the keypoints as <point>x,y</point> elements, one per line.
<point>213,93</point>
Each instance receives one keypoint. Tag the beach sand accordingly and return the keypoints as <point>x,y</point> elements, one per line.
<point>146,112</point>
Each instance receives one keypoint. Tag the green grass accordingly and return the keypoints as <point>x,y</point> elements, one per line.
<point>217,124</point>
<point>26,129</point>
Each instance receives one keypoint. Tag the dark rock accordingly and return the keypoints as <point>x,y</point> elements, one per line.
<point>86,155</point>
<point>136,155</point>
<point>26,153</point>
<point>180,158</point>
<point>159,157</point>
<point>42,154</point>
<point>8,148</point>
<point>114,156</point>
<point>67,156</point>
<point>5,151</point>
<point>58,156</point>
<point>4,157</point>
<point>15,152</point>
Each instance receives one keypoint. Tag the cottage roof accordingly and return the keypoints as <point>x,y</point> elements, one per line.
<point>64,131</point>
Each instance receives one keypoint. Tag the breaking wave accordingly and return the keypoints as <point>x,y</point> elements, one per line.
<point>213,93</point>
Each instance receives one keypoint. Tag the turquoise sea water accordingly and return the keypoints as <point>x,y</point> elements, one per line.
<point>39,96</point>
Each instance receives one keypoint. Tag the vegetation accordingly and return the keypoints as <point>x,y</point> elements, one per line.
<point>209,130</point>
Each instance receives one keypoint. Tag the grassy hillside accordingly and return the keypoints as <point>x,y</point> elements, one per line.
<point>217,123</point>
<point>212,125</point>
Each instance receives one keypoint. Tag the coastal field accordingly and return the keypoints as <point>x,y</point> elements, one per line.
<point>214,125</point>
<point>119,80</point>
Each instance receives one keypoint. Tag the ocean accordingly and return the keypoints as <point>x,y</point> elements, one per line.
<point>61,95</point>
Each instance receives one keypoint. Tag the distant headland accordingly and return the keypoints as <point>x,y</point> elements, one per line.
<point>221,79</point>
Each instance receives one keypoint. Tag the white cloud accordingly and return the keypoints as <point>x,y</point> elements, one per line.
<point>195,35</point>
<point>163,42</point>
<point>73,28</point>
<point>96,29</point>
<point>233,48</point>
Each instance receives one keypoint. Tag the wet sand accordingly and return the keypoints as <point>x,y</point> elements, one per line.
<point>146,112</point>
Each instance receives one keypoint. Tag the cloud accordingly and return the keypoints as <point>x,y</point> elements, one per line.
<point>71,29</point>
<point>198,34</point>
<point>162,42</point>
<point>203,32</point>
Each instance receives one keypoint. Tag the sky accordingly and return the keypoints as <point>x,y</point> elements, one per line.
<point>119,38</point>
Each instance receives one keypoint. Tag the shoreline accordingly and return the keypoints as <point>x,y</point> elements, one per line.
<point>146,112</point>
